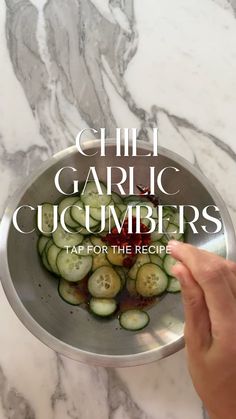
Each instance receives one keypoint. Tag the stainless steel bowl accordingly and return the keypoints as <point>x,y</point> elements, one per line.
<point>79,335</point>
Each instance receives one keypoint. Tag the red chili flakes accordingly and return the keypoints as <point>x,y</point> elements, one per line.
<point>124,239</point>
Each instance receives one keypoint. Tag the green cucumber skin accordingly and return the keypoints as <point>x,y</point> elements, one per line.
<point>40,238</point>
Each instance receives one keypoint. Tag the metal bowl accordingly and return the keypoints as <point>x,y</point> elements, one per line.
<point>72,331</point>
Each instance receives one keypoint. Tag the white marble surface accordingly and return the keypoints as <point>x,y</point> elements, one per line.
<point>65,65</point>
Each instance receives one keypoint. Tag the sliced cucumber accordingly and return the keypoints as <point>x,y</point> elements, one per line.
<point>143,211</point>
<point>169,262</point>
<point>103,307</point>
<point>121,207</point>
<point>45,261</point>
<point>96,241</point>
<point>116,198</point>
<point>44,255</point>
<point>100,260</point>
<point>173,285</point>
<point>42,241</point>
<point>122,272</point>
<point>67,202</point>
<point>52,254</point>
<point>73,267</point>
<point>131,198</point>
<point>168,212</point>
<point>174,219</point>
<point>131,287</point>
<point>71,293</point>
<point>104,283</point>
<point>85,247</point>
<point>96,213</point>
<point>90,195</point>
<point>82,230</point>
<point>164,241</point>
<point>110,222</point>
<point>145,221</point>
<point>134,319</point>
<point>115,257</point>
<point>173,232</point>
<point>155,236</point>
<point>156,260</point>
<point>151,280</point>
<point>78,214</point>
<point>160,249</point>
<point>141,260</point>
<point>47,219</point>
<point>62,238</point>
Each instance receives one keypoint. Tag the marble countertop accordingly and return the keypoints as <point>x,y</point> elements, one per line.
<point>66,65</point>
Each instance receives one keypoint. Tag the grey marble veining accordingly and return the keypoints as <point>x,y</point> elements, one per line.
<point>67,65</point>
<point>15,406</point>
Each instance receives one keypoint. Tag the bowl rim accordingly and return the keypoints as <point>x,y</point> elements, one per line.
<point>35,328</point>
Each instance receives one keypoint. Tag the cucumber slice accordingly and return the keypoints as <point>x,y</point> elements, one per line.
<point>103,307</point>
<point>169,262</point>
<point>164,241</point>
<point>122,272</point>
<point>52,254</point>
<point>84,248</point>
<point>131,198</point>
<point>146,222</point>
<point>73,267</point>
<point>131,287</point>
<point>67,202</point>
<point>96,241</point>
<point>116,198</point>
<point>100,260</point>
<point>168,212</point>
<point>44,256</point>
<point>173,285</point>
<point>61,238</point>
<point>104,283</point>
<point>96,213</point>
<point>42,241</point>
<point>156,260</point>
<point>45,261</point>
<point>140,261</point>
<point>155,236</point>
<point>160,249</point>
<point>121,207</point>
<point>143,211</point>
<point>151,280</point>
<point>173,232</point>
<point>82,230</point>
<point>78,214</point>
<point>115,257</point>
<point>71,293</point>
<point>134,319</point>
<point>174,219</point>
<point>90,195</point>
<point>47,219</point>
<point>110,222</point>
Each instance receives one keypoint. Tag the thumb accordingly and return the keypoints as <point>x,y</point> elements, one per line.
<point>197,321</point>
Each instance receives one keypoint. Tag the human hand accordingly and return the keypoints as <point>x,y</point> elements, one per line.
<point>208,285</point>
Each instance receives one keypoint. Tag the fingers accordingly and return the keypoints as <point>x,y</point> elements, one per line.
<point>232,266</point>
<point>197,322</point>
<point>213,275</point>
